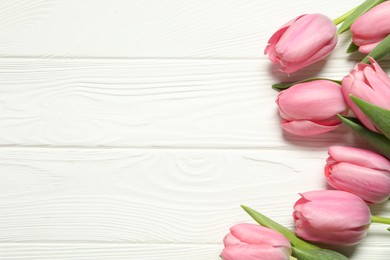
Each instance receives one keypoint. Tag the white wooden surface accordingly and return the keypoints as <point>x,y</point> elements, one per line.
<point>135,129</point>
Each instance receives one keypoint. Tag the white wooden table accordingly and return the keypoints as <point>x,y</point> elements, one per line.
<point>135,129</point>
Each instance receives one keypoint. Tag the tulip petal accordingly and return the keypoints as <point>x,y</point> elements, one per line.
<point>290,67</point>
<point>270,49</point>
<point>334,210</point>
<point>301,42</point>
<point>304,33</point>
<point>360,157</point>
<point>307,128</point>
<point>359,89</point>
<point>379,72</point>
<point>364,32</point>
<point>315,100</point>
<point>367,48</point>
<point>256,234</point>
<point>327,195</point>
<point>371,185</point>
<point>381,86</point>
<point>254,252</point>
<point>335,237</point>
<point>231,240</point>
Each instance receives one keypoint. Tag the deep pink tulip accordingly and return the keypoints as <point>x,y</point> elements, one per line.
<point>331,217</point>
<point>370,83</point>
<point>254,242</point>
<point>310,108</point>
<point>361,172</point>
<point>301,42</point>
<point>372,27</point>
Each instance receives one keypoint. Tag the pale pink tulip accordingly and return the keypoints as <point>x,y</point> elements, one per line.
<point>372,27</point>
<point>331,217</point>
<point>310,108</point>
<point>254,242</point>
<point>370,83</point>
<point>301,42</point>
<point>361,172</point>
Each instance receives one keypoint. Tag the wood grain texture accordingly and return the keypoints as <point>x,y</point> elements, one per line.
<point>139,195</point>
<point>83,251</point>
<point>148,103</point>
<point>40,251</point>
<point>137,203</point>
<point>150,28</point>
<point>135,129</point>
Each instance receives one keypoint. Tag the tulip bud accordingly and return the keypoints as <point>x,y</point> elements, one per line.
<point>370,83</point>
<point>331,217</point>
<point>372,27</point>
<point>361,172</point>
<point>310,108</point>
<point>253,242</point>
<point>301,42</point>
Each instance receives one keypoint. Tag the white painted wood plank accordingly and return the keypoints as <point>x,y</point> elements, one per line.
<point>82,251</point>
<point>87,203</point>
<point>142,203</point>
<point>142,195</point>
<point>39,251</point>
<point>148,103</point>
<point>149,28</point>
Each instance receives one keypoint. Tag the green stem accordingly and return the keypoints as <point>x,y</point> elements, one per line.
<point>382,220</point>
<point>342,18</point>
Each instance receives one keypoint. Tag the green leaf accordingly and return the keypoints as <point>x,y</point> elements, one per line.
<point>267,222</point>
<point>317,254</point>
<point>379,116</point>
<point>361,9</point>
<point>380,142</point>
<point>286,85</point>
<point>352,48</point>
<point>380,51</point>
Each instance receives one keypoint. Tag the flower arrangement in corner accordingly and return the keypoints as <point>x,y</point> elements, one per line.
<point>314,106</point>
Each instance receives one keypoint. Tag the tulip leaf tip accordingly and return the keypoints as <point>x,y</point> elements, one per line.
<point>352,48</point>
<point>378,141</point>
<point>379,116</point>
<point>380,51</point>
<point>267,222</point>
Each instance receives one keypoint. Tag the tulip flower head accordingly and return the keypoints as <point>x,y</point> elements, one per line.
<point>331,217</point>
<point>370,83</point>
<point>361,172</point>
<point>372,27</point>
<point>301,42</point>
<point>310,108</point>
<point>254,242</point>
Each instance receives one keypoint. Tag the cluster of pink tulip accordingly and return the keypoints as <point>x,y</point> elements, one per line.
<point>311,107</point>
<point>315,106</point>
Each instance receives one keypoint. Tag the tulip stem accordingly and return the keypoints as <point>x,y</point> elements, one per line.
<point>382,220</point>
<point>342,18</point>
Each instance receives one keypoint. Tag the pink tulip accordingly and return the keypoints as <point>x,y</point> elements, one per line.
<point>301,42</point>
<point>372,27</point>
<point>254,242</point>
<point>331,217</point>
<point>361,172</point>
<point>370,83</point>
<point>310,108</point>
